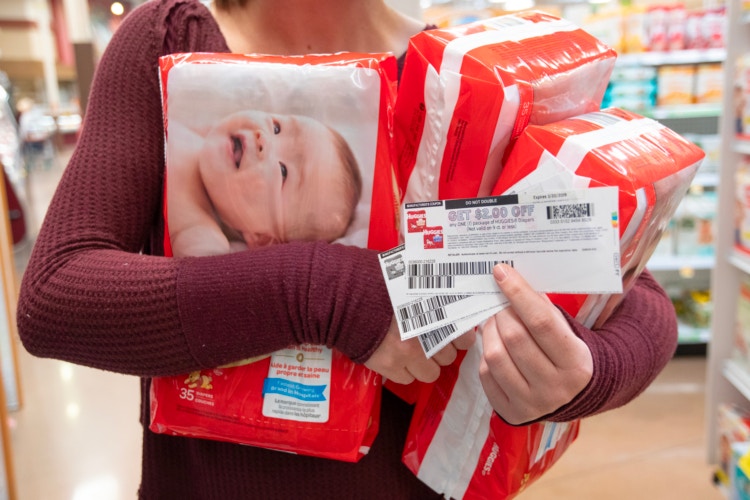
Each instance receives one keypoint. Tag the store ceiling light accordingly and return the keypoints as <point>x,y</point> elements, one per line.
<point>117,8</point>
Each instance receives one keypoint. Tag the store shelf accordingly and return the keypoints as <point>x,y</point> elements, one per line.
<point>741,146</point>
<point>680,262</point>
<point>740,260</point>
<point>738,376</point>
<point>707,179</point>
<point>673,57</point>
<point>728,382</point>
<point>688,334</point>
<point>707,110</point>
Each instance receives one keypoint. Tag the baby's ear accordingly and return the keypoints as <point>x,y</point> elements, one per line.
<point>262,240</point>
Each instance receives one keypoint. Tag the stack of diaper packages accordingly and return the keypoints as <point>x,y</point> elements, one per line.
<point>507,106</point>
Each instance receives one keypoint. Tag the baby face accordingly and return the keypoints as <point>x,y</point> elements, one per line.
<point>266,172</point>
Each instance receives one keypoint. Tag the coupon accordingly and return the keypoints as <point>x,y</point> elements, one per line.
<point>564,241</point>
<point>435,319</point>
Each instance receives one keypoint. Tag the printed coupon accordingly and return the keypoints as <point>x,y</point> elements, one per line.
<point>563,242</point>
<point>435,319</point>
<point>298,386</point>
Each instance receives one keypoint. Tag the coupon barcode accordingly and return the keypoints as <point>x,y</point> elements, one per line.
<point>425,312</point>
<point>570,211</point>
<point>454,268</point>
<point>431,281</point>
<point>432,338</point>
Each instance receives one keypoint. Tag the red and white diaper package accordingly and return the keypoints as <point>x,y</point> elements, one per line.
<point>456,443</point>
<point>466,91</point>
<point>650,163</point>
<point>460,447</point>
<point>263,150</point>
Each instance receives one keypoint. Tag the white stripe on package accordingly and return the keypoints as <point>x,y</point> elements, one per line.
<point>575,147</point>
<point>503,130</point>
<point>423,181</point>
<point>461,434</point>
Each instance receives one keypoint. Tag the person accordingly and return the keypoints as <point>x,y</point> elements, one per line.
<point>98,292</point>
<point>239,184</point>
<point>35,131</point>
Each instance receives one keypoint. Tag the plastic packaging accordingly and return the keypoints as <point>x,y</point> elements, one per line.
<point>652,166</point>
<point>266,122</point>
<point>467,91</point>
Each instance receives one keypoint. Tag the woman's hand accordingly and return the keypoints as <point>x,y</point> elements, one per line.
<point>533,363</point>
<point>403,361</point>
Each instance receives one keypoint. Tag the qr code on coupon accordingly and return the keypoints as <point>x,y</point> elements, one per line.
<point>571,211</point>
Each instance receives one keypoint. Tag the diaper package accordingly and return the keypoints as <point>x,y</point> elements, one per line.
<point>651,165</point>
<point>466,91</point>
<point>460,447</point>
<point>456,443</point>
<point>262,150</point>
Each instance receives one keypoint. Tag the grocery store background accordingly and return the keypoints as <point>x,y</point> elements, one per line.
<point>72,433</point>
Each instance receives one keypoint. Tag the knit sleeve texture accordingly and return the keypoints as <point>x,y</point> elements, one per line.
<point>99,292</point>
<point>629,350</point>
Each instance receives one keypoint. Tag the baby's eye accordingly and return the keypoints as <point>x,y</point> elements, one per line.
<point>283,170</point>
<point>276,128</point>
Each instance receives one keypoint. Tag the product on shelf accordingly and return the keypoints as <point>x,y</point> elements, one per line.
<point>607,25</point>
<point>742,205</point>
<point>667,27</point>
<point>667,245</point>
<point>709,83</point>
<point>675,85</point>
<point>632,88</point>
<point>741,96</point>
<point>657,19</point>
<point>733,427</point>
<point>740,474</point>
<point>694,221</point>
<point>741,345</point>
<point>711,145</point>
<point>675,20</point>
<point>635,31</point>
<point>693,308</point>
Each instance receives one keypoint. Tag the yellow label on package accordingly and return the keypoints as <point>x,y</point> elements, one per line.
<point>560,241</point>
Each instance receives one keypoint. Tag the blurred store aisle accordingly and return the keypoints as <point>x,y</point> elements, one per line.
<point>77,436</point>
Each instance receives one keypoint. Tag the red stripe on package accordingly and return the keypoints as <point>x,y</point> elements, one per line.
<point>456,444</point>
<point>467,91</point>
<point>260,151</point>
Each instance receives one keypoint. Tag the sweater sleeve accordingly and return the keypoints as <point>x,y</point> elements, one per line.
<point>629,350</point>
<point>92,295</point>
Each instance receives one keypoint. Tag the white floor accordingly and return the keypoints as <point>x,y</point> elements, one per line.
<point>77,436</point>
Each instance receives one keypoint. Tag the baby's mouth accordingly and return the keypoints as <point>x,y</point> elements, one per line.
<point>237,150</point>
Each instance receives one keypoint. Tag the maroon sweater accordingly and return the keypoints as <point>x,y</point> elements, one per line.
<point>98,292</point>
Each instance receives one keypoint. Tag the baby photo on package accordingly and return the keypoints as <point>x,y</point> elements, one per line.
<point>276,149</point>
<point>264,150</point>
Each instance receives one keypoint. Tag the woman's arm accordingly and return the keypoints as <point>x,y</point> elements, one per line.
<point>629,350</point>
<point>91,295</point>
